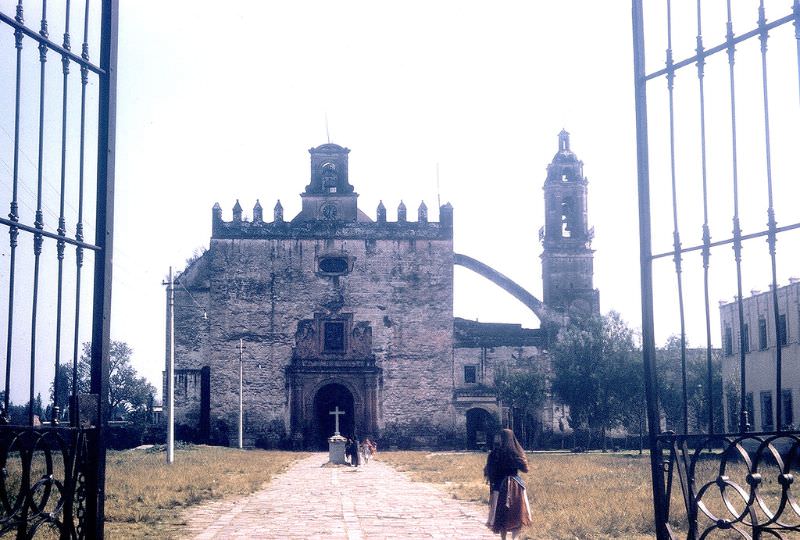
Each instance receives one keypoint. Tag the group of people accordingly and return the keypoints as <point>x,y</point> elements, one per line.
<point>357,453</point>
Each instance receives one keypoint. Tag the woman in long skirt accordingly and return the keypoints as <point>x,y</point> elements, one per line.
<point>508,502</point>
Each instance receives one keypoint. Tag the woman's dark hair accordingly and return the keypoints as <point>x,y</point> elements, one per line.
<point>509,442</point>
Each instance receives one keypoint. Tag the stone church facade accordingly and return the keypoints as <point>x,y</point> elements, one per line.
<point>337,310</point>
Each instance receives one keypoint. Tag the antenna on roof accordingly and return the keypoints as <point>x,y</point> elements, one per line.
<point>327,132</point>
<point>438,194</point>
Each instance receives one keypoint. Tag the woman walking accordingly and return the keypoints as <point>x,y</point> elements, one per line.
<point>508,503</point>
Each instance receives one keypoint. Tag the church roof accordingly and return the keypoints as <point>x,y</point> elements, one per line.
<point>468,334</point>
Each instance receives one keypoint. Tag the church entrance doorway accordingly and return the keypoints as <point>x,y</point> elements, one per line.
<point>481,427</point>
<point>332,398</point>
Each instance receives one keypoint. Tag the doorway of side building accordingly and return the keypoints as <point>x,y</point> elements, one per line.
<point>332,398</point>
<point>481,427</point>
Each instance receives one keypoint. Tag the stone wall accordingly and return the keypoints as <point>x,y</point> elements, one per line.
<point>258,289</point>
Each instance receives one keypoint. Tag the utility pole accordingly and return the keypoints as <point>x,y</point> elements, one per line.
<point>170,371</point>
<point>241,409</point>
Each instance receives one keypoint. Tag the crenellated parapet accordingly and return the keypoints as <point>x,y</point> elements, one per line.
<point>329,210</point>
<point>362,228</point>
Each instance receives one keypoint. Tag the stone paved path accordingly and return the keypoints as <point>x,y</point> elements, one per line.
<point>309,501</point>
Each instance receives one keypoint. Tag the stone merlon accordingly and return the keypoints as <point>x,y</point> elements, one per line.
<point>362,229</point>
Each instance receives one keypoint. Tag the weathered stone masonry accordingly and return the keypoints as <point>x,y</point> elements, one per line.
<point>337,310</point>
<point>265,283</point>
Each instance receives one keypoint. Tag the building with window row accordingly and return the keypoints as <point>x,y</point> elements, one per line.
<point>759,337</point>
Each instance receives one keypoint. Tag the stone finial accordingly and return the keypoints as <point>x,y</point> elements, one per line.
<point>237,211</point>
<point>563,141</point>
<point>446,215</point>
<point>381,213</point>
<point>401,212</point>
<point>258,213</point>
<point>216,212</point>
<point>422,213</point>
<point>278,212</point>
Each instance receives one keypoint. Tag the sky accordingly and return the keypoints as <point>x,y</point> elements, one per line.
<point>221,101</point>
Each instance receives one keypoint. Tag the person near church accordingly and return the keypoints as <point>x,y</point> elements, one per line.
<point>366,449</point>
<point>351,451</point>
<point>509,509</point>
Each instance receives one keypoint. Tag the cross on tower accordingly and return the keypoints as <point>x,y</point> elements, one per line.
<point>336,412</point>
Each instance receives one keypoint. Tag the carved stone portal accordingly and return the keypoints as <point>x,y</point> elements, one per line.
<point>332,366</point>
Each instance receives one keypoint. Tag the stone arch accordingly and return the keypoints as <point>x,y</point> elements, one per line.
<point>505,283</point>
<point>482,424</point>
<point>333,396</point>
<point>358,398</point>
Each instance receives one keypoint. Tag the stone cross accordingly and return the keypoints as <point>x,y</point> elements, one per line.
<point>336,412</point>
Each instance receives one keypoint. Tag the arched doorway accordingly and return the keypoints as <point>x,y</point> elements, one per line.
<point>328,398</point>
<point>481,427</point>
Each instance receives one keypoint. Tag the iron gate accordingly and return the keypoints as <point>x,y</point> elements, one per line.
<point>713,106</point>
<point>57,127</point>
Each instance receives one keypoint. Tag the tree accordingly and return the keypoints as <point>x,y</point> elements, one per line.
<point>64,378</point>
<point>128,394</point>
<point>671,386</point>
<point>597,374</point>
<point>523,391</point>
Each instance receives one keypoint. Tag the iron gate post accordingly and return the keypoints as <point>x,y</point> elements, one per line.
<point>648,339</point>
<point>103,265</point>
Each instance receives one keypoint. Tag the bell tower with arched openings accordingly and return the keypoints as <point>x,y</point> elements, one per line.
<point>567,258</point>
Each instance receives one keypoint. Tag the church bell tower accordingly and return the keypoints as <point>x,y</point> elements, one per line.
<point>567,258</point>
<point>329,196</point>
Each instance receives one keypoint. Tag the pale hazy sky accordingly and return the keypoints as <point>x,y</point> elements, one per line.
<point>221,101</point>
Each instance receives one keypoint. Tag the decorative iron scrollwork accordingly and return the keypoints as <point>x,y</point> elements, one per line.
<point>43,480</point>
<point>742,483</point>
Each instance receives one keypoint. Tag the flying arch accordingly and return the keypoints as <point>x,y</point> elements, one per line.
<point>505,283</point>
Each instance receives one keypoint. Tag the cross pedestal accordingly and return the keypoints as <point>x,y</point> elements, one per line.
<point>336,443</point>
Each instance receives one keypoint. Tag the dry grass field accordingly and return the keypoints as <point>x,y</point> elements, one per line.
<point>573,496</point>
<point>145,497</point>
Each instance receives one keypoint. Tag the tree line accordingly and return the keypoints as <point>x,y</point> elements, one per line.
<point>130,396</point>
<point>596,372</point>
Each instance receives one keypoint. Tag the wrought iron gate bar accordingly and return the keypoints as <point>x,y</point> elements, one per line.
<point>705,230</point>
<point>676,238</point>
<point>735,40</point>
<point>51,44</point>
<point>53,236</point>
<point>744,424</point>
<point>718,243</point>
<point>74,417</point>
<point>796,15</point>
<point>14,217</point>
<point>62,225</point>
<point>39,218</point>
<point>771,237</point>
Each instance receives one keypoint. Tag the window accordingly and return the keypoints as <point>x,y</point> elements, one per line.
<point>334,265</point>
<point>762,333</point>
<point>782,330</point>
<point>470,374</point>
<point>788,407</point>
<point>746,339</point>
<point>334,336</point>
<point>748,403</point>
<point>728,345</point>
<point>767,423</point>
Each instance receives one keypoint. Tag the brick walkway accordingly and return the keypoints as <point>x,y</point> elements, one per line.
<point>309,501</point>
